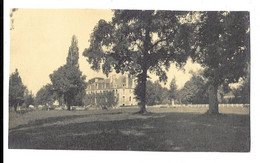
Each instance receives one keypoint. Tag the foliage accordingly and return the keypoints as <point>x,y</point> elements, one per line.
<point>194,91</point>
<point>242,93</point>
<point>28,99</point>
<point>45,95</point>
<point>79,98</point>
<point>173,89</point>
<point>165,96</point>
<point>221,46</point>
<point>73,54</point>
<point>153,93</point>
<point>156,94</point>
<point>67,82</point>
<point>103,99</point>
<point>137,42</point>
<point>16,90</point>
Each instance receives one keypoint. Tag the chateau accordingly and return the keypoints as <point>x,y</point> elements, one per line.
<point>122,87</point>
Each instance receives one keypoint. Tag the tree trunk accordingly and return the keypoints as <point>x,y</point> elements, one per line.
<point>142,82</point>
<point>68,105</point>
<point>213,99</point>
<point>15,107</point>
<point>67,101</point>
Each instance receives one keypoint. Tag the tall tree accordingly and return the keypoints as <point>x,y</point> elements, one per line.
<point>68,81</point>
<point>73,54</point>
<point>139,42</point>
<point>16,90</point>
<point>222,47</point>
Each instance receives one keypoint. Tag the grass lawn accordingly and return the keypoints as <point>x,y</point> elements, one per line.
<point>165,129</point>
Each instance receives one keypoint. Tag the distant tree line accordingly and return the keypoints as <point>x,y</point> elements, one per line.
<point>195,91</point>
<point>67,85</point>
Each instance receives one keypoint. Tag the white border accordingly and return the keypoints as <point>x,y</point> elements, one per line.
<point>122,156</point>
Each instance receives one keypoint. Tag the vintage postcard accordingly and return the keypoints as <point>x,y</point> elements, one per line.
<point>129,80</point>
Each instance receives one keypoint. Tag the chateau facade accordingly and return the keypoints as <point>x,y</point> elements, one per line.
<point>121,86</point>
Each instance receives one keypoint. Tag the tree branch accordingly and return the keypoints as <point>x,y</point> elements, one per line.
<point>157,42</point>
<point>139,47</point>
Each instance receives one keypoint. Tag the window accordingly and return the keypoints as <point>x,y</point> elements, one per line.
<point>123,98</point>
<point>130,98</point>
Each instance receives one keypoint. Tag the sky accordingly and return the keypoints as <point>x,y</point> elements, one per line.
<point>41,38</point>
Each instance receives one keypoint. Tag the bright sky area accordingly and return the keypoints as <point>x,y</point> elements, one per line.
<point>41,38</point>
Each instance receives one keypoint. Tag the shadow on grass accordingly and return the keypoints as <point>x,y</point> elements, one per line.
<point>50,120</point>
<point>170,132</point>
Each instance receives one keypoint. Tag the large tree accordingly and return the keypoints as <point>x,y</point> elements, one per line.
<point>67,82</point>
<point>222,47</point>
<point>16,90</point>
<point>139,42</point>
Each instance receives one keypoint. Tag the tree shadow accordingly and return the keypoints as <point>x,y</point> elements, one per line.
<point>50,120</point>
<point>163,132</point>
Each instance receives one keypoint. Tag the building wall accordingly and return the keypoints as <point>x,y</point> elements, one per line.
<point>126,97</point>
<point>122,85</point>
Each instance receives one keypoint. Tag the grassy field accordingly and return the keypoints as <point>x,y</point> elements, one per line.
<point>164,129</point>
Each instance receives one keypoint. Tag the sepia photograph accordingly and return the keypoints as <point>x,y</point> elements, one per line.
<point>135,80</point>
<point>142,80</point>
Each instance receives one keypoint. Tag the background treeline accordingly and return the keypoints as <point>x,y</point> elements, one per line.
<point>194,92</point>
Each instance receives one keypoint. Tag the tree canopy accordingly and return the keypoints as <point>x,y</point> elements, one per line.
<point>16,90</point>
<point>73,54</point>
<point>45,95</point>
<point>68,81</point>
<point>137,42</point>
<point>28,99</point>
<point>194,91</point>
<point>221,45</point>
